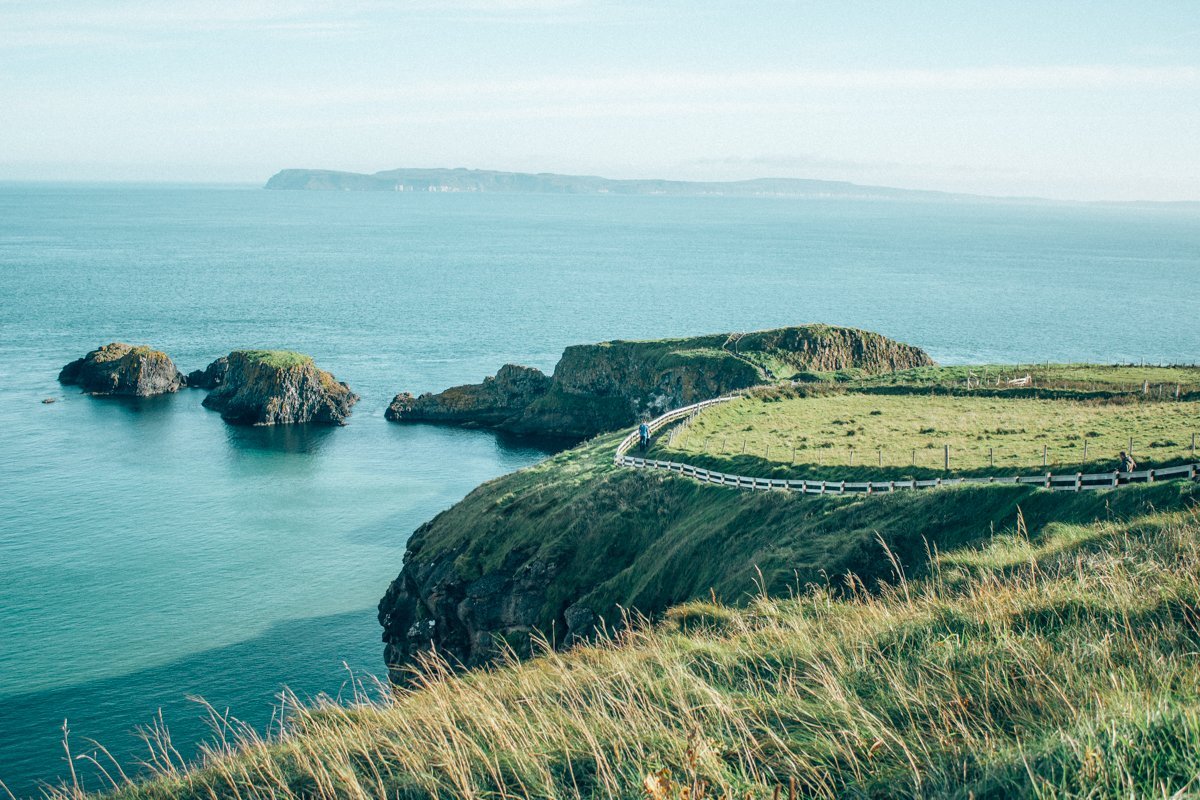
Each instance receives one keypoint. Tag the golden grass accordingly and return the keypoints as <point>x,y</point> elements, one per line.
<point>1053,663</point>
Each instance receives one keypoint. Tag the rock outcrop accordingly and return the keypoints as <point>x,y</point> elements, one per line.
<point>601,387</point>
<point>210,377</point>
<point>124,370</point>
<point>489,404</point>
<point>279,387</point>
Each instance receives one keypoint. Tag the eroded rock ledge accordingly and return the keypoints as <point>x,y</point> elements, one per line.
<point>277,387</point>
<point>120,369</point>
<point>602,387</point>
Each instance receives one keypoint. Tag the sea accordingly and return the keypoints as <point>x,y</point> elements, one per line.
<point>157,564</point>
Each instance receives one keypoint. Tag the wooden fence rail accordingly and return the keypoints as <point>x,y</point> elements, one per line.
<point>1066,482</point>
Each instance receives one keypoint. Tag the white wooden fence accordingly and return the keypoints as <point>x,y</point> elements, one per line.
<point>1066,482</point>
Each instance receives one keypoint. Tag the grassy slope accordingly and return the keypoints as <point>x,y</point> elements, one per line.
<point>824,429</point>
<point>1054,660</point>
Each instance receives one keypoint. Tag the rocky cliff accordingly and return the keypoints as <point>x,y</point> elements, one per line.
<point>123,369</point>
<point>601,387</point>
<point>278,387</point>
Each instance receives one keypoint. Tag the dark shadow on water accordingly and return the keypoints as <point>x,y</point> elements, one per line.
<point>303,439</point>
<point>549,445</point>
<point>305,655</point>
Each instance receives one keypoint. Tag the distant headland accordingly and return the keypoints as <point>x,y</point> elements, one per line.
<point>476,180</point>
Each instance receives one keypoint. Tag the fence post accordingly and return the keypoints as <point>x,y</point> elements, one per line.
<point>991,457</point>
<point>743,445</point>
<point>1078,481</point>
<point>793,454</point>
<point>767,455</point>
<point>881,456</point>
<point>946,458</point>
<point>1130,450</point>
<point>852,456</point>
<point>1043,455</point>
<point>914,457</point>
<point>1193,446</point>
<point>1085,443</point>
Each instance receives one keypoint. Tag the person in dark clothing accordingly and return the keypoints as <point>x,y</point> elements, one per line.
<point>644,436</point>
<point>1127,463</point>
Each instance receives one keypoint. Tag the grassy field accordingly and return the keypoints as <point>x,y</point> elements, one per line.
<point>1152,381</point>
<point>1052,661</point>
<point>985,433</point>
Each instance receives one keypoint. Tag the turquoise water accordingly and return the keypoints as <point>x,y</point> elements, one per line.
<point>148,551</point>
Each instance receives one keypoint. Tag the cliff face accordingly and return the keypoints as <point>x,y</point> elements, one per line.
<point>123,369</point>
<point>601,387</point>
<point>273,387</point>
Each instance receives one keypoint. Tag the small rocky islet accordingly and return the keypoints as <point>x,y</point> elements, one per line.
<point>277,387</point>
<point>247,387</point>
<point>124,370</point>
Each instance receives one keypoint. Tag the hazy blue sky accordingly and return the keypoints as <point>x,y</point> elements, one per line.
<point>1063,99</point>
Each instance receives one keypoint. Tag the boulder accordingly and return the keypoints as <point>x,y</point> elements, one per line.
<point>279,387</point>
<point>210,377</point>
<point>121,369</point>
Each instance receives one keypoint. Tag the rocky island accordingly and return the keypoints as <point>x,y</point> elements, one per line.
<point>276,387</point>
<point>119,369</point>
<point>601,387</point>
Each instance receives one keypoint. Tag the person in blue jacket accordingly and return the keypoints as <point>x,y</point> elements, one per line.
<point>644,436</point>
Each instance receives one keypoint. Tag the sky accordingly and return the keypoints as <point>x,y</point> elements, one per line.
<point>1071,100</point>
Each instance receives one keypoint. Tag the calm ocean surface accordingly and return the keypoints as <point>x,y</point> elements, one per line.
<point>149,552</point>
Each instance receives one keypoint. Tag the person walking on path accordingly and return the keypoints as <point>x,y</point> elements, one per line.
<point>1127,462</point>
<point>644,436</point>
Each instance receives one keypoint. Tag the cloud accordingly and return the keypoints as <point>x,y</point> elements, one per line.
<point>72,23</point>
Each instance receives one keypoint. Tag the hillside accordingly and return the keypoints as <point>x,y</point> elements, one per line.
<point>1048,658</point>
<point>476,180</point>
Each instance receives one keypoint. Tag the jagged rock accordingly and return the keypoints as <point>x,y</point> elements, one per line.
<point>279,387</point>
<point>210,377</point>
<point>490,403</point>
<point>122,369</point>
<point>601,387</point>
<point>401,406</point>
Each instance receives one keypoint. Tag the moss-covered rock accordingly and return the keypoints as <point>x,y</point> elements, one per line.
<point>123,369</point>
<point>601,387</point>
<point>279,387</point>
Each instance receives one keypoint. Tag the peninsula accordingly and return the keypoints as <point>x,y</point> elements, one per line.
<point>480,180</point>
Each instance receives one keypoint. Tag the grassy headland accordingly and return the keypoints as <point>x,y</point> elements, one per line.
<point>1049,660</point>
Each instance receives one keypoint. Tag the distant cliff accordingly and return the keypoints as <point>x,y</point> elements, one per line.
<point>601,387</point>
<point>477,180</point>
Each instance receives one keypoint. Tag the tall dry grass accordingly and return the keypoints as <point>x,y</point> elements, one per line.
<point>1057,663</point>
